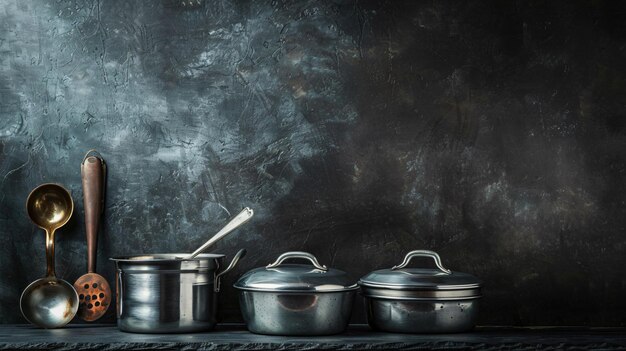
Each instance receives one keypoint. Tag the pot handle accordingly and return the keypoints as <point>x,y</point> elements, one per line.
<point>422,253</point>
<point>297,254</point>
<point>119,289</point>
<point>239,255</point>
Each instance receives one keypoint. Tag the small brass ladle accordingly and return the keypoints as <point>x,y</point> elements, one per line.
<point>49,302</point>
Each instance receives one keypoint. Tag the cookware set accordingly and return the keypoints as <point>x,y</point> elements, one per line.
<point>312,299</point>
<point>178,292</point>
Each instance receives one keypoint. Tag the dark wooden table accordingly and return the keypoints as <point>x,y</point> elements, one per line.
<point>234,337</point>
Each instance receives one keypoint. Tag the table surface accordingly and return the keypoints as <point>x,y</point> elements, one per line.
<point>358,337</point>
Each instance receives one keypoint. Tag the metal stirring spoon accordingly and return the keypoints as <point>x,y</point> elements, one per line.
<point>49,302</point>
<point>234,223</point>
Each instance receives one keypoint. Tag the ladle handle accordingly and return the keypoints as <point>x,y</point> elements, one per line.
<point>93,172</point>
<point>238,220</point>
<point>50,272</point>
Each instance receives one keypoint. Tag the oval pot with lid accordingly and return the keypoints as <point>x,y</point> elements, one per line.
<point>296,299</point>
<point>421,300</point>
<point>166,293</point>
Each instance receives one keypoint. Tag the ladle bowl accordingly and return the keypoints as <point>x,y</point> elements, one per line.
<point>49,302</point>
<point>50,206</point>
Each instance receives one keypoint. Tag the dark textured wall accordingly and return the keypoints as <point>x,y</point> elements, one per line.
<point>490,131</point>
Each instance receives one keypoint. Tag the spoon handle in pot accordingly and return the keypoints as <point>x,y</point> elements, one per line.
<point>93,171</point>
<point>234,223</point>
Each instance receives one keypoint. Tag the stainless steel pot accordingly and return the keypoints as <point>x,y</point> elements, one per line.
<point>165,293</point>
<point>421,300</point>
<point>296,299</point>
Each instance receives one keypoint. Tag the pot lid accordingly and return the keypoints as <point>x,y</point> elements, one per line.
<point>278,277</point>
<point>402,278</point>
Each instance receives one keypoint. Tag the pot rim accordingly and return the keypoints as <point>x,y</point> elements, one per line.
<point>367,284</point>
<point>421,295</point>
<point>351,288</point>
<point>432,299</point>
<point>173,257</point>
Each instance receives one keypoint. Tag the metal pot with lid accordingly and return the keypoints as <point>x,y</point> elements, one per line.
<point>421,300</point>
<point>296,299</point>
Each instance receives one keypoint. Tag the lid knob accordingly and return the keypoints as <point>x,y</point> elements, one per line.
<point>422,253</point>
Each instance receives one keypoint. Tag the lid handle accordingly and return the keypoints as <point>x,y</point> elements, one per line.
<point>422,253</point>
<point>297,254</point>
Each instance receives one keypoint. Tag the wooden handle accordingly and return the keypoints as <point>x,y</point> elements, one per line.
<point>93,172</point>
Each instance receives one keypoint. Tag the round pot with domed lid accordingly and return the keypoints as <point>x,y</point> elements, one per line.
<point>296,299</point>
<point>421,300</point>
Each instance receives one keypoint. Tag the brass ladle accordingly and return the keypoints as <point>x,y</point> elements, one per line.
<point>49,302</point>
